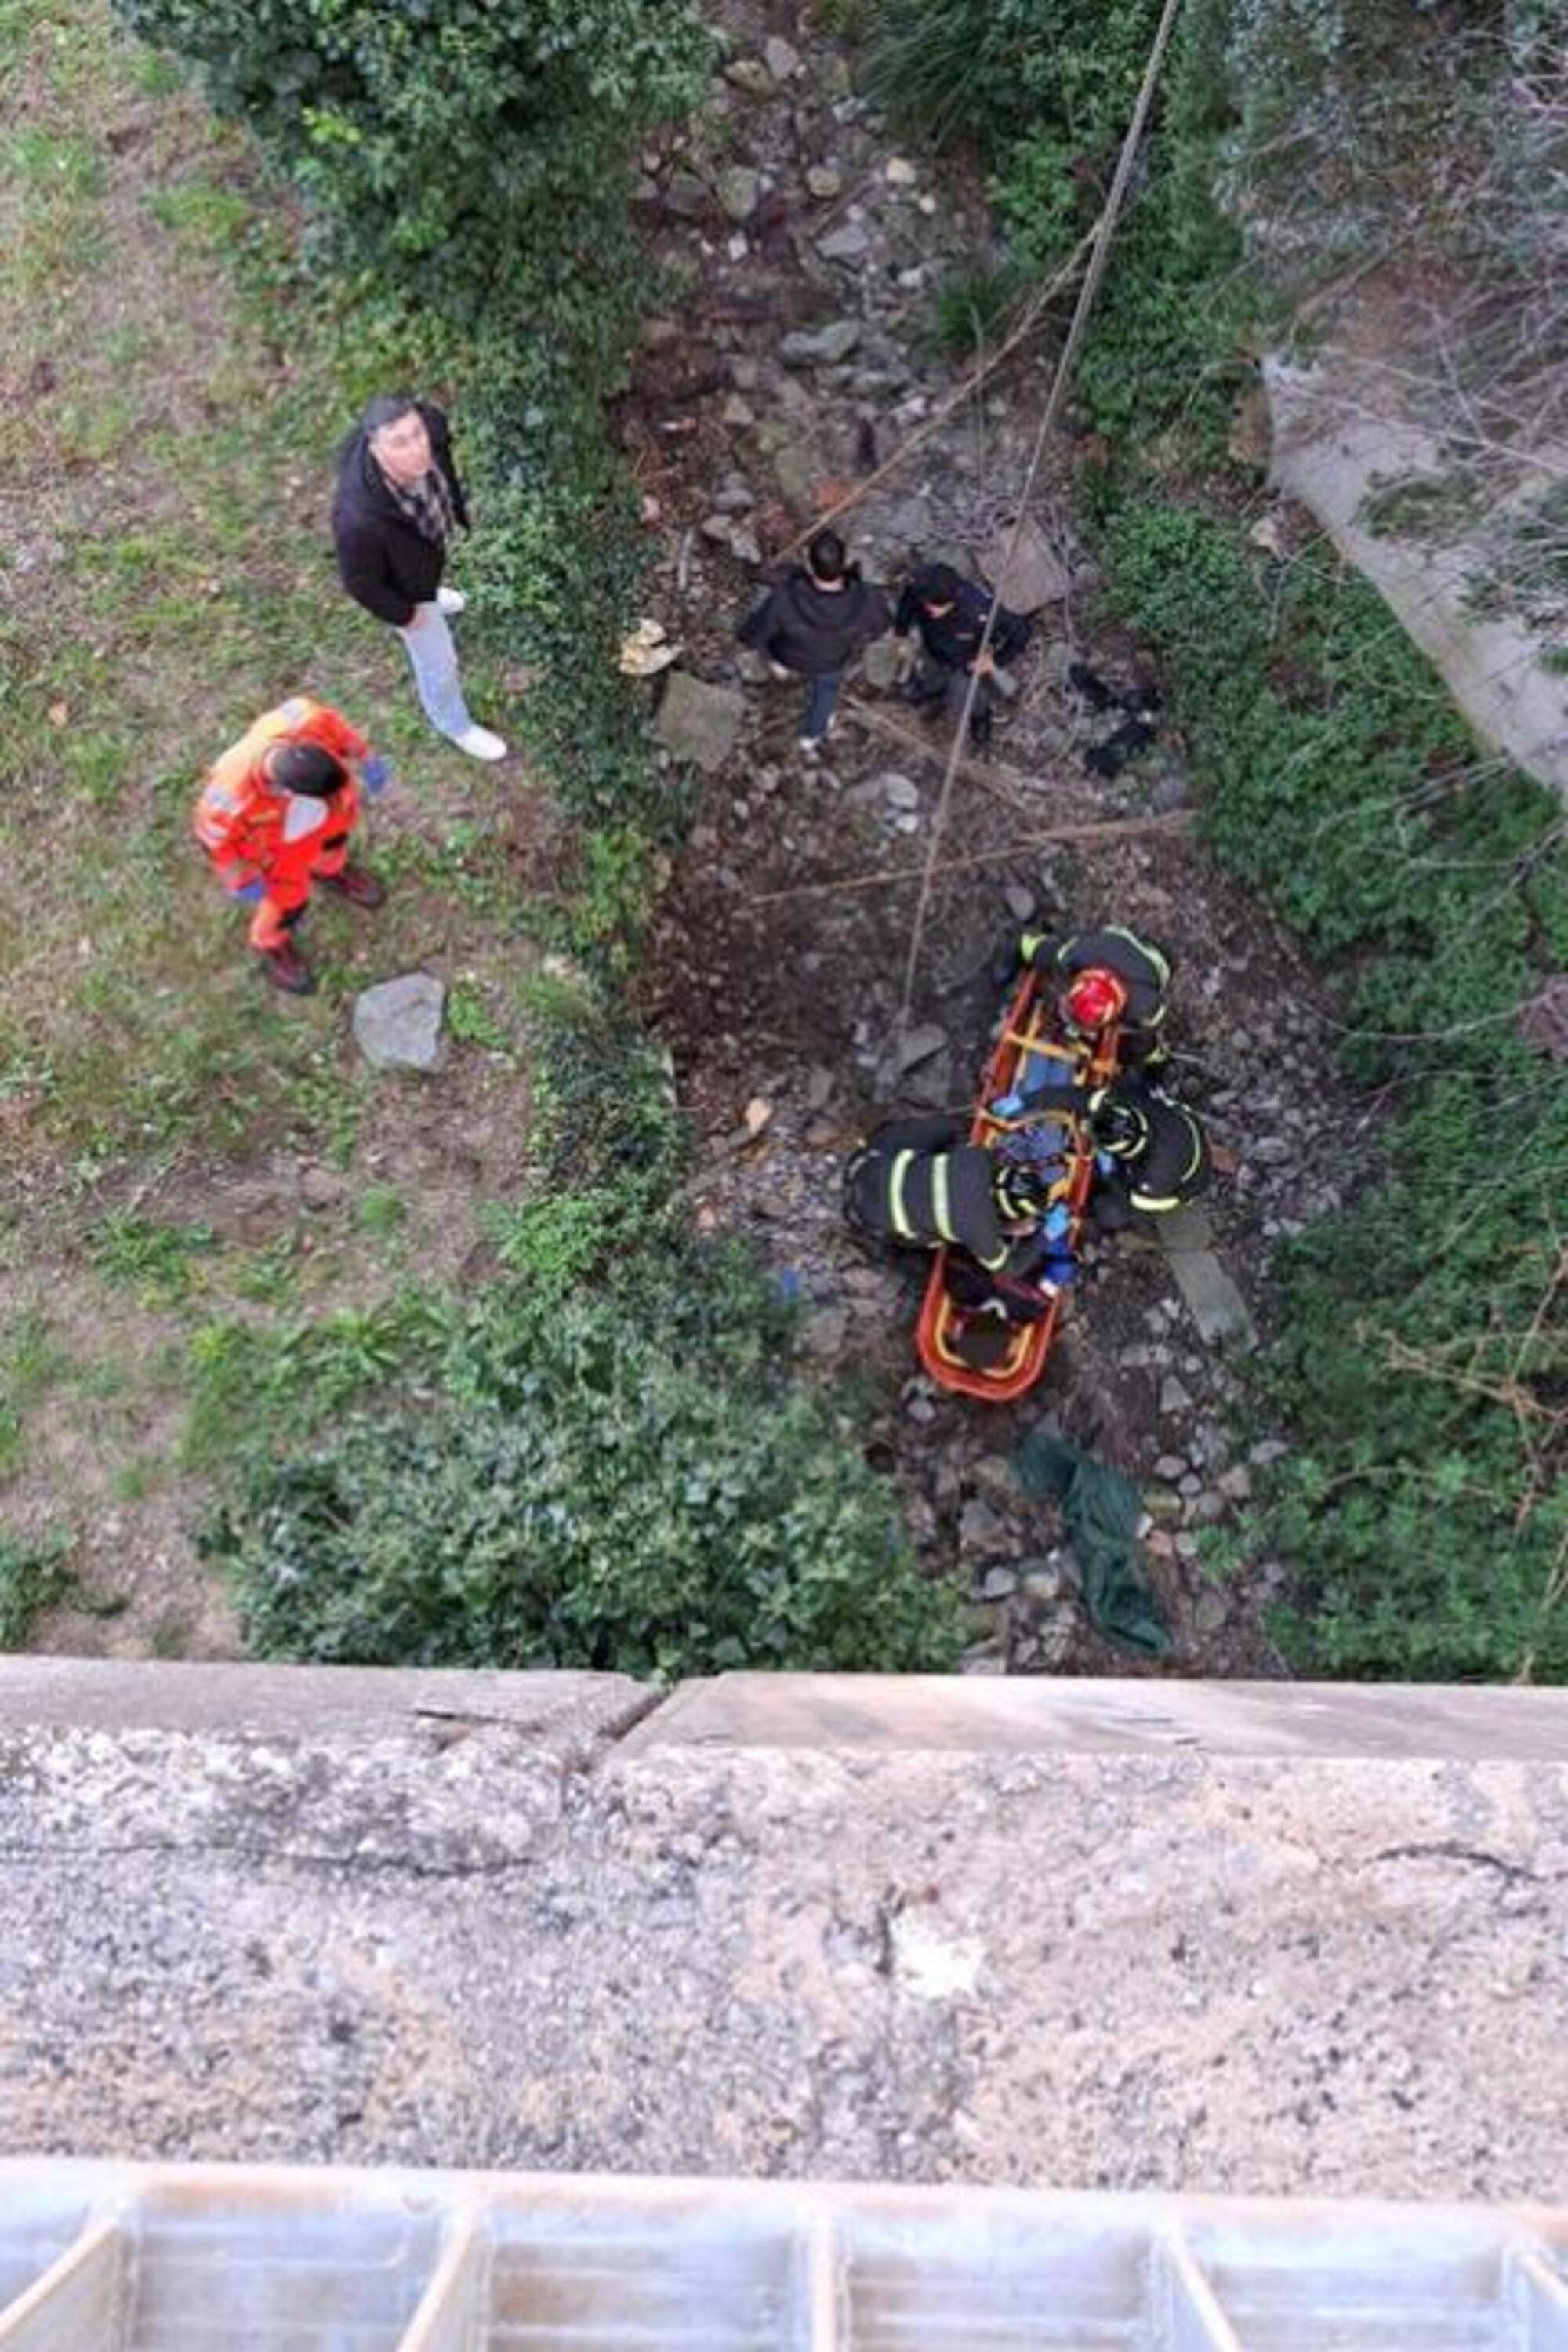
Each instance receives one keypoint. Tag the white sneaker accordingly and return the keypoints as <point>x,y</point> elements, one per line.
<point>450,600</point>
<point>481,744</point>
<point>810,744</point>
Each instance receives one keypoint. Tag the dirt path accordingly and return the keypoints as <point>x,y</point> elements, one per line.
<point>812,254</point>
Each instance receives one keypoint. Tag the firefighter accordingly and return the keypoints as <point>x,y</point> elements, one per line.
<point>1110,979</point>
<point>917,1183</point>
<point>275,816</point>
<point>1151,1152</point>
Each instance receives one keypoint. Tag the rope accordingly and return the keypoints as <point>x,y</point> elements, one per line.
<point>1088,294</point>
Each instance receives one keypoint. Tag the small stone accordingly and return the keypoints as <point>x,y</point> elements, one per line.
<point>1187,1545</point>
<point>1236,1485</point>
<point>1271,1150</point>
<point>900,172</point>
<point>1173,1397</point>
<point>1267,1450</point>
<point>1171,789</point>
<point>738,189</point>
<point>820,1085</point>
<point>756,1115</point>
<point>745,544</point>
<point>850,242</point>
<point>715,527</point>
<point>823,180</point>
<point>998,1584</point>
<point>1020,903</point>
<point>397,1024</point>
<point>1171,1467</point>
<point>1041,1583</point>
<point>899,792</point>
<point>320,1189</point>
<point>782,61</point>
<point>686,196</point>
<point>738,411</point>
<point>979,1528</point>
<point>828,346</point>
<point>822,1333</point>
<point>751,75</point>
<point>1209,1610</point>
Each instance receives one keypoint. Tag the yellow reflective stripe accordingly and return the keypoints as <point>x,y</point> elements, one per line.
<point>941,1204</point>
<point>895,1175</point>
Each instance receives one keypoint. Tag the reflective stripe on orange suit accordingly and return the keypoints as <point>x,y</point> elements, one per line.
<point>244,828</point>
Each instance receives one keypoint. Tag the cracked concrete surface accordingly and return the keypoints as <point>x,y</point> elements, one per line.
<point>433,1938</point>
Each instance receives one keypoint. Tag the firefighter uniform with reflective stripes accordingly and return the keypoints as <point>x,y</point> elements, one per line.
<point>256,835</point>
<point>1159,1155</point>
<point>1141,967</point>
<point>917,1182</point>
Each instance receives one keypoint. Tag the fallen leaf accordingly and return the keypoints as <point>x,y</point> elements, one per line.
<point>756,1115</point>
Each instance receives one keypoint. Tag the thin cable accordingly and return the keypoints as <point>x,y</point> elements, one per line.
<point>1087,293</point>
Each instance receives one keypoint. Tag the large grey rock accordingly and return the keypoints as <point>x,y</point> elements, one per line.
<point>796,470</point>
<point>920,1044</point>
<point>879,662</point>
<point>698,721</point>
<point>397,1023</point>
<point>1037,575</point>
<point>1212,1299</point>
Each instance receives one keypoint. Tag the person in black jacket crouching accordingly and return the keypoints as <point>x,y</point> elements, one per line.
<point>399,504</point>
<point>951,613</point>
<point>813,622</point>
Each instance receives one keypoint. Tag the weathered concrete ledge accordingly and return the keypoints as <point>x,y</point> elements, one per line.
<point>1259,1939</point>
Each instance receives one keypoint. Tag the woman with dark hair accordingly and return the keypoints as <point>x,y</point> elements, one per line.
<point>813,622</point>
<point>398,504</point>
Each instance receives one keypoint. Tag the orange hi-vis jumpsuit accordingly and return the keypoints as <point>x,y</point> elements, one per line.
<point>256,835</point>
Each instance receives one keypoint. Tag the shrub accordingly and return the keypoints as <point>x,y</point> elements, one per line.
<point>1422,1351</point>
<point>623,1480</point>
<point>426,138</point>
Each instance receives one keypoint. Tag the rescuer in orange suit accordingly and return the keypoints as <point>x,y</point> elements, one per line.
<point>275,816</point>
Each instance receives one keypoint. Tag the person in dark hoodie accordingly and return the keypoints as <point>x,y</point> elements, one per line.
<point>399,503</point>
<point>951,613</point>
<point>813,622</point>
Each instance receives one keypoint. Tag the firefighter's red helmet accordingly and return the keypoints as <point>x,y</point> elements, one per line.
<point>1096,1000</point>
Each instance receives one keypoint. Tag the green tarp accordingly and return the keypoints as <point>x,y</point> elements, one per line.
<point>1101,1507</point>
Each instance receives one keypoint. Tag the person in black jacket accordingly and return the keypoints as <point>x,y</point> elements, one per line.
<point>399,503</point>
<point>951,613</point>
<point>813,622</point>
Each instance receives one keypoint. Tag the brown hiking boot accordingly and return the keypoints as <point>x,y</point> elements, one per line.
<point>285,969</point>
<point>361,890</point>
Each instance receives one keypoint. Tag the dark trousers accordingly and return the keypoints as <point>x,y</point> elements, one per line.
<point>821,703</point>
<point>935,682</point>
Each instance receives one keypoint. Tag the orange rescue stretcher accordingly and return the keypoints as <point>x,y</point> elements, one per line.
<point>976,1355</point>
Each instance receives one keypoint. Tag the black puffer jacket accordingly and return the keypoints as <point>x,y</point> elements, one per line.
<point>815,630</point>
<point>387,564</point>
